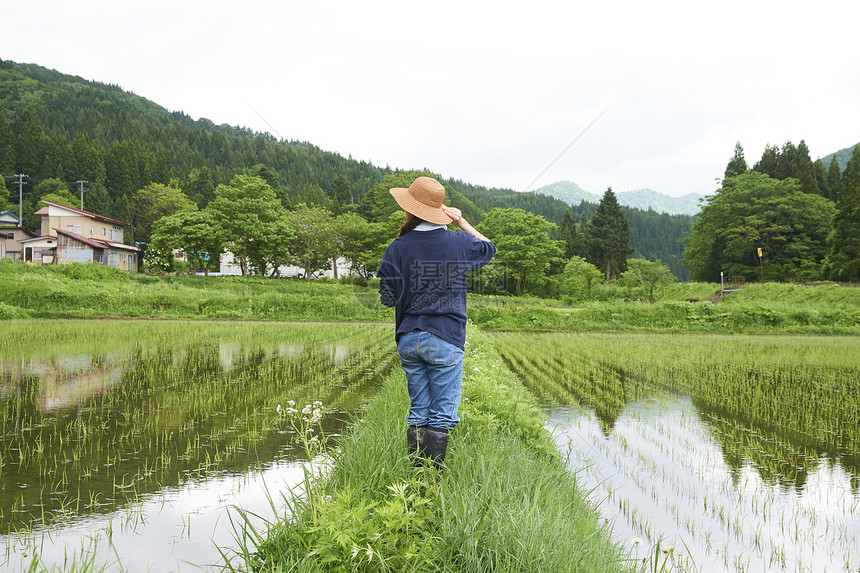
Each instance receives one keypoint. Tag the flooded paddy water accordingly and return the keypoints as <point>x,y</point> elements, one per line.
<point>709,453</point>
<point>126,443</point>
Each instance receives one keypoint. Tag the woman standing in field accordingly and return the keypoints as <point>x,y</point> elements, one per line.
<point>423,276</point>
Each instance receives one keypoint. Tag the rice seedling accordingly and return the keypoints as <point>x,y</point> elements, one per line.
<point>137,408</point>
<point>750,445</point>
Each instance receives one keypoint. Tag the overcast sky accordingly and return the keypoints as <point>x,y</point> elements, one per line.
<point>487,92</point>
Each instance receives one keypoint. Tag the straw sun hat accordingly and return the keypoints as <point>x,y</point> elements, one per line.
<point>423,199</point>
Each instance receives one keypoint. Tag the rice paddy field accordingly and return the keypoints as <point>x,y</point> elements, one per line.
<point>123,442</point>
<point>720,453</point>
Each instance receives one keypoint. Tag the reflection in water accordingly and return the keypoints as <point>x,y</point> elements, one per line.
<point>662,474</point>
<point>88,438</point>
<point>746,451</point>
<point>177,529</point>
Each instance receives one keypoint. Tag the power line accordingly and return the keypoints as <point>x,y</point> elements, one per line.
<point>587,127</point>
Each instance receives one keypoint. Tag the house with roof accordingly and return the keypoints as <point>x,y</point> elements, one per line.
<point>71,235</point>
<point>11,233</point>
<point>9,219</point>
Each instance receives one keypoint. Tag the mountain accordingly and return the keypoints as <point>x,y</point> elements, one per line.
<point>62,129</point>
<point>569,192</point>
<point>644,199</point>
<point>842,156</point>
<point>649,199</point>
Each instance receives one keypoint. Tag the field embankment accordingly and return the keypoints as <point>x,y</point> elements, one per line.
<point>767,309</point>
<point>90,291</point>
<point>506,501</point>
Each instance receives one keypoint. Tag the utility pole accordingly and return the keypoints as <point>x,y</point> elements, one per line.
<point>20,177</point>
<point>82,192</point>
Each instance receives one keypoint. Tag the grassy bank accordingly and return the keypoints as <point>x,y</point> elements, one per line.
<point>505,503</point>
<point>771,308</point>
<point>92,291</point>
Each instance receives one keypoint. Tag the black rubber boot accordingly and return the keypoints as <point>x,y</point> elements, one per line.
<point>415,442</point>
<point>435,446</point>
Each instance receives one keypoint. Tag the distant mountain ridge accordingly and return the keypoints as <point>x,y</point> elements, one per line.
<point>644,199</point>
<point>842,156</point>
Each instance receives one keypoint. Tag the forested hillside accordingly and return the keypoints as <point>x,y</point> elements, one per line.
<point>61,128</point>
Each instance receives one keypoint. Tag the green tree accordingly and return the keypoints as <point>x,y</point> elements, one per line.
<point>834,180</point>
<point>200,187</point>
<point>647,275</point>
<point>768,162</point>
<point>7,147</point>
<point>356,241</point>
<point>314,243</point>
<point>567,233</point>
<point>754,211</point>
<point>737,165</point>
<point>155,201</point>
<point>579,278</point>
<point>804,169</point>
<point>843,257</point>
<point>273,245</point>
<point>785,161</point>
<point>821,179</point>
<point>341,194</point>
<point>30,140</point>
<point>609,237</point>
<point>524,245</point>
<point>197,233</point>
<point>87,163</point>
<point>245,209</point>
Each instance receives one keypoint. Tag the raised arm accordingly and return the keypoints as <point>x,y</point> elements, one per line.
<point>458,219</point>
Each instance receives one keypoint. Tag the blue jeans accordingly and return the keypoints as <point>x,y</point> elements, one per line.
<point>434,376</point>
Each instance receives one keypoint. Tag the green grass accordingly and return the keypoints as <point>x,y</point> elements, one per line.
<point>774,308</point>
<point>147,405</point>
<point>506,501</point>
<point>92,291</point>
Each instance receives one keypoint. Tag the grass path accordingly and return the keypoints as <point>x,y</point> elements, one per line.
<point>505,503</point>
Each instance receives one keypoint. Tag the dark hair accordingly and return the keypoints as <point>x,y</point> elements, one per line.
<point>409,225</point>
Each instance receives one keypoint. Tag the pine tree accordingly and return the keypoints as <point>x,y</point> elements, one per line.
<point>567,233</point>
<point>843,260</point>
<point>834,180</point>
<point>737,165</point>
<point>7,149</point>
<point>803,169</point>
<point>768,162</point>
<point>30,139</point>
<point>821,178</point>
<point>609,237</point>
<point>785,165</point>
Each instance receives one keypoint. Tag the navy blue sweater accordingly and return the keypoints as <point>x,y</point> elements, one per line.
<point>423,276</point>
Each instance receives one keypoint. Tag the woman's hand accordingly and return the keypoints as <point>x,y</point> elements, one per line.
<point>458,219</point>
<point>455,214</point>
